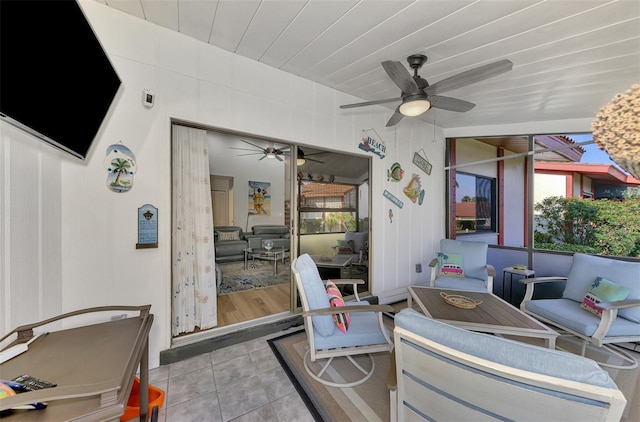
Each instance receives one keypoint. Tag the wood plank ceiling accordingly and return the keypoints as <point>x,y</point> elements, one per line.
<point>570,56</point>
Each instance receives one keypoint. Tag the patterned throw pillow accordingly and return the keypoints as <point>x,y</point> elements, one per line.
<point>450,264</point>
<point>342,320</point>
<point>234,235</point>
<point>603,290</point>
<point>345,246</point>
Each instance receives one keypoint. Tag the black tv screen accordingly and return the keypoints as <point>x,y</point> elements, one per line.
<point>56,81</point>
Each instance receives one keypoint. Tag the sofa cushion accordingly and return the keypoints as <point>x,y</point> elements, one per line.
<point>475,256</point>
<point>270,229</point>
<point>507,352</point>
<point>603,290</point>
<point>569,314</point>
<point>585,268</point>
<point>364,329</point>
<point>315,293</point>
<point>460,283</point>
<point>232,235</point>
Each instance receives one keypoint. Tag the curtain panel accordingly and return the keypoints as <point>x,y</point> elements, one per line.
<point>193,280</point>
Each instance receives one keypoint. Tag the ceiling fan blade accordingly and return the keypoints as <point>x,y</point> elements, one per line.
<point>400,76</point>
<point>470,77</point>
<point>246,149</point>
<point>278,158</point>
<point>253,153</point>
<point>253,145</point>
<point>314,160</point>
<point>395,119</point>
<point>448,103</point>
<point>368,103</point>
<point>262,158</point>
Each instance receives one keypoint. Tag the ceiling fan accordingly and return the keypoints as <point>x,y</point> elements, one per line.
<point>302,158</point>
<point>418,96</point>
<point>269,152</point>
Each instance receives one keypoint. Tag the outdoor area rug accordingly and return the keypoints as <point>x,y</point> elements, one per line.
<point>370,401</point>
<point>235,278</point>
<point>366,402</point>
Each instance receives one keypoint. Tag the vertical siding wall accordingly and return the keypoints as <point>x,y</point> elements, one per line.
<point>30,234</point>
<point>69,243</point>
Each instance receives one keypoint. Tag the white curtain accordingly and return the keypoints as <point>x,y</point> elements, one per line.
<point>194,284</point>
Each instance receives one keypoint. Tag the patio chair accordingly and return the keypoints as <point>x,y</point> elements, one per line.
<point>600,304</point>
<point>365,334</point>
<point>462,265</point>
<point>355,245</point>
<point>442,372</point>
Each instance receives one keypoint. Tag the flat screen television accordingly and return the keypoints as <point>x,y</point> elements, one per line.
<point>56,82</point>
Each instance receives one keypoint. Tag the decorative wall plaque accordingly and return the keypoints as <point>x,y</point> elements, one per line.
<point>147,227</point>
<point>422,163</point>
<point>392,198</point>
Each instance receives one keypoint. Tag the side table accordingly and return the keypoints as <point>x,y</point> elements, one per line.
<point>526,273</point>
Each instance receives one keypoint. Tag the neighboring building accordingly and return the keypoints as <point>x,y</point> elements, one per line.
<point>580,180</point>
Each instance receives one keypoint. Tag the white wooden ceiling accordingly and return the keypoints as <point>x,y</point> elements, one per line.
<point>570,56</point>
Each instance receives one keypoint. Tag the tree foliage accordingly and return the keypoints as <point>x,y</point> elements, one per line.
<point>603,226</point>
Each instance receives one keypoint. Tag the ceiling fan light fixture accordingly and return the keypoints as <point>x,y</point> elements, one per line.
<point>300,159</point>
<point>271,155</point>
<point>416,107</point>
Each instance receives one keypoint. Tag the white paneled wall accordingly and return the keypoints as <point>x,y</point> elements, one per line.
<point>30,235</point>
<point>68,242</point>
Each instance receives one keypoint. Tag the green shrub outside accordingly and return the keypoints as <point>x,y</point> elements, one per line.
<point>604,227</point>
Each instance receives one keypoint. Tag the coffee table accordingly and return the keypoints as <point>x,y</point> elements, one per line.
<point>493,315</point>
<point>341,262</point>
<point>275,255</point>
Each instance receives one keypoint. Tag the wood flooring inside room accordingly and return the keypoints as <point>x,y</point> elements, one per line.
<point>251,304</point>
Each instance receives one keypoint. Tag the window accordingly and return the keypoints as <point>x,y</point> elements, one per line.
<point>327,207</point>
<point>549,192</point>
<point>475,204</point>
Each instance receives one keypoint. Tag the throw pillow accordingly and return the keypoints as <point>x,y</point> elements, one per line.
<point>345,246</point>
<point>450,264</point>
<point>342,320</point>
<point>234,235</point>
<point>603,290</point>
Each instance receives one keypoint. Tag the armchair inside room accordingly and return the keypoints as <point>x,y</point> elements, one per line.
<point>462,265</point>
<point>355,245</point>
<point>335,329</point>
<point>600,305</point>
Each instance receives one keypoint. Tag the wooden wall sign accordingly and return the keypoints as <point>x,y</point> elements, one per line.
<point>147,227</point>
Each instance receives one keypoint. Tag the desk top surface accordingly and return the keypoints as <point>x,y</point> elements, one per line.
<point>93,365</point>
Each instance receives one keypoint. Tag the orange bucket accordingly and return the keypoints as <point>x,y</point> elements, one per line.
<point>156,398</point>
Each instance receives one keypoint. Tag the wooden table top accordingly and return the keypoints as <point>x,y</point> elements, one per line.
<point>337,261</point>
<point>493,311</point>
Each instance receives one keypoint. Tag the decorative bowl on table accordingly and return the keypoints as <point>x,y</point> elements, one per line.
<point>460,301</point>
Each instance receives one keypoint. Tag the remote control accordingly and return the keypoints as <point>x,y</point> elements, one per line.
<point>33,383</point>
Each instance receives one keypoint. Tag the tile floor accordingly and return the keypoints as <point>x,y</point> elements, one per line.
<point>243,382</point>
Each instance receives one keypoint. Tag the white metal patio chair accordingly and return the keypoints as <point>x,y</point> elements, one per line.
<point>462,265</point>
<point>619,321</point>
<point>365,335</point>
